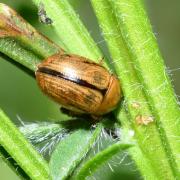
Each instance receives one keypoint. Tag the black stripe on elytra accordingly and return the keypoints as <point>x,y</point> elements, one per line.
<point>69,78</point>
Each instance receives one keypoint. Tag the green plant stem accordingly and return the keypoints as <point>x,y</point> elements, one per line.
<point>70,29</point>
<point>19,54</point>
<point>142,162</point>
<point>12,163</point>
<point>90,166</point>
<point>145,53</point>
<point>21,42</point>
<point>137,62</point>
<point>21,151</point>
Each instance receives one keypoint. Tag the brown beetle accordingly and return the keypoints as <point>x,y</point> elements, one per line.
<point>78,84</point>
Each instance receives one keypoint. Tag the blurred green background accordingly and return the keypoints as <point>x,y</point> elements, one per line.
<point>21,98</point>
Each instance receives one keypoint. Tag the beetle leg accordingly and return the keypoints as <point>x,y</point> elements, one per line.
<point>96,118</point>
<point>69,112</point>
<point>93,118</point>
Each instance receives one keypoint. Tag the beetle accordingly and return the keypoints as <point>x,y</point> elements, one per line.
<point>80,85</point>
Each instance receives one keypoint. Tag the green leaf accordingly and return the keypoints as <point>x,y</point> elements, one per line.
<point>100,158</point>
<point>44,136</point>
<point>40,131</point>
<point>70,151</point>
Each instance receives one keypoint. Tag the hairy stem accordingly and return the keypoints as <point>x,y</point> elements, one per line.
<point>145,84</point>
<point>21,151</point>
